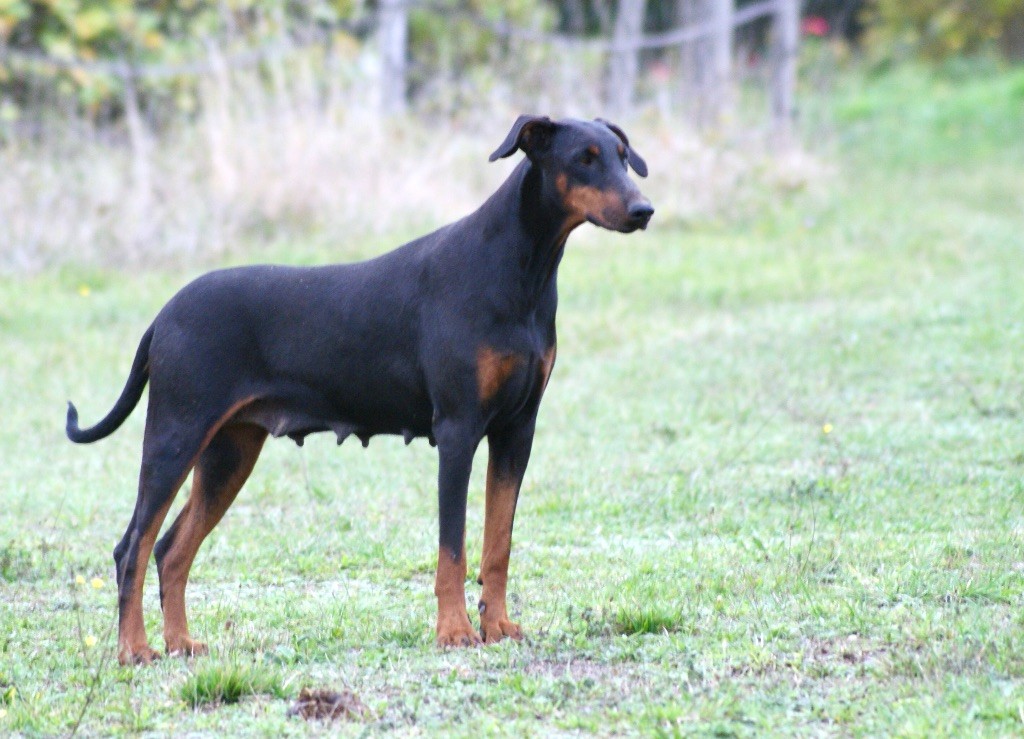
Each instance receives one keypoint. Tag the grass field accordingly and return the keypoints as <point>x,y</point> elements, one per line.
<point>777,485</point>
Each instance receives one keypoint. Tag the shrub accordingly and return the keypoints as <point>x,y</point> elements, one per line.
<point>940,29</point>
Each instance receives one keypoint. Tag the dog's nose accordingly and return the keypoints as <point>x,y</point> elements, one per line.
<point>641,212</point>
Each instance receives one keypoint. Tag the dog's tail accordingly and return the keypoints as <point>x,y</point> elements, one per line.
<point>137,379</point>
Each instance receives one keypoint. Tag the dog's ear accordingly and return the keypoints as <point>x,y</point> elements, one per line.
<point>531,133</point>
<point>635,160</point>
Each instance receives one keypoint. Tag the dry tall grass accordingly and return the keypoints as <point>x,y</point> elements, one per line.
<point>300,153</point>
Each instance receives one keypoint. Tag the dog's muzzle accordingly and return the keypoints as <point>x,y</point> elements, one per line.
<point>639,214</point>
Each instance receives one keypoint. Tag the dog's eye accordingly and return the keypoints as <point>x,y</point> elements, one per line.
<point>587,158</point>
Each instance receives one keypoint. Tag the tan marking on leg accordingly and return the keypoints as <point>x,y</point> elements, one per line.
<point>132,644</point>
<point>172,582</point>
<point>203,511</point>
<point>231,413</point>
<point>493,370</point>
<point>547,363</point>
<point>499,513</point>
<point>453,627</point>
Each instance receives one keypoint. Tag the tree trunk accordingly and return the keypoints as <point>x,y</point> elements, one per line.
<point>138,136</point>
<point>719,92</point>
<point>624,63</point>
<point>707,61</point>
<point>394,31</point>
<point>787,39</point>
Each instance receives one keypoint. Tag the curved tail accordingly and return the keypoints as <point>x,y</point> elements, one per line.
<point>137,379</point>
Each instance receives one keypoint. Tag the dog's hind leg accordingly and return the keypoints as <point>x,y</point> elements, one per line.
<point>166,460</point>
<point>221,471</point>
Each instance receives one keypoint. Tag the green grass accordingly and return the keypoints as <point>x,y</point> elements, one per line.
<point>647,618</point>
<point>777,487</point>
<point>213,684</point>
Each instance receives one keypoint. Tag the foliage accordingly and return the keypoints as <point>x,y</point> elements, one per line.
<point>444,43</point>
<point>81,35</point>
<point>940,29</point>
<point>77,41</point>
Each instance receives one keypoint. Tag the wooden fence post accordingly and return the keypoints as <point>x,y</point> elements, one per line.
<point>720,93</point>
<point>623,64</point>
<point>787,39</point>
<point>138,136</point>
<point>393,33</point>
<point>707,58</point>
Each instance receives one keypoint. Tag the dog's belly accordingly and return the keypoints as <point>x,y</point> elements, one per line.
<point>299,415</point>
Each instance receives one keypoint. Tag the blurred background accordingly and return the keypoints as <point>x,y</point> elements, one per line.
<point>187,132</point>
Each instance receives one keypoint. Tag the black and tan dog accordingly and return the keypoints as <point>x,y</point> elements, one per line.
<point>451,337</point>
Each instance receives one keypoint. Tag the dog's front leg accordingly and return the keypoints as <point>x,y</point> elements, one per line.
<point>509,453</point>
<point>456,444</point>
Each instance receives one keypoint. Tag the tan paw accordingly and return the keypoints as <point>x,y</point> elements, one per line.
<point>495,630</point>
<point>137,655</point>
<point>456,632</point>
<point>187,647</point>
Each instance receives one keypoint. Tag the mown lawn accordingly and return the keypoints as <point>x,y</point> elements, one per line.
<point>777,486</point>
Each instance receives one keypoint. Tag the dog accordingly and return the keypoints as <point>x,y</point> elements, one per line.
<point>449,337</point>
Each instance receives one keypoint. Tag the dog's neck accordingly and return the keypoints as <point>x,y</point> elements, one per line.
<point>527,207</point>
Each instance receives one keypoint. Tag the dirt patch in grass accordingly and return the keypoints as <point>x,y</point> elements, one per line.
<point>323,704</point>
<point>850,650</point>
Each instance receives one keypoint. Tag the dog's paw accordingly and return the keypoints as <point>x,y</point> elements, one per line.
<point>457,632</point>
<point>187,648</point>
<point>466,639</point>
<point>137,655</point>
<point>493,631</point>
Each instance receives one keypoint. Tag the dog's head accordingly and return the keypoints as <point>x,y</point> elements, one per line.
<point>588,162</point>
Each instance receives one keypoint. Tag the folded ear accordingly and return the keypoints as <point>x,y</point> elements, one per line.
<point>531,133</point>
<point>635,160</point>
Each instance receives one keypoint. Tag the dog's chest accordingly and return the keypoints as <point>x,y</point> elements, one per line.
<point>511,377</point>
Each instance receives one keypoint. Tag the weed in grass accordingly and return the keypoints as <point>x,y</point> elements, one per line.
<point>627,620</point>
<point>22,562</point>
<point>407,637</point>
<point>96,666</point>
<point>647,618</point>
<point>229,682</point>
<point>15,562</point>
